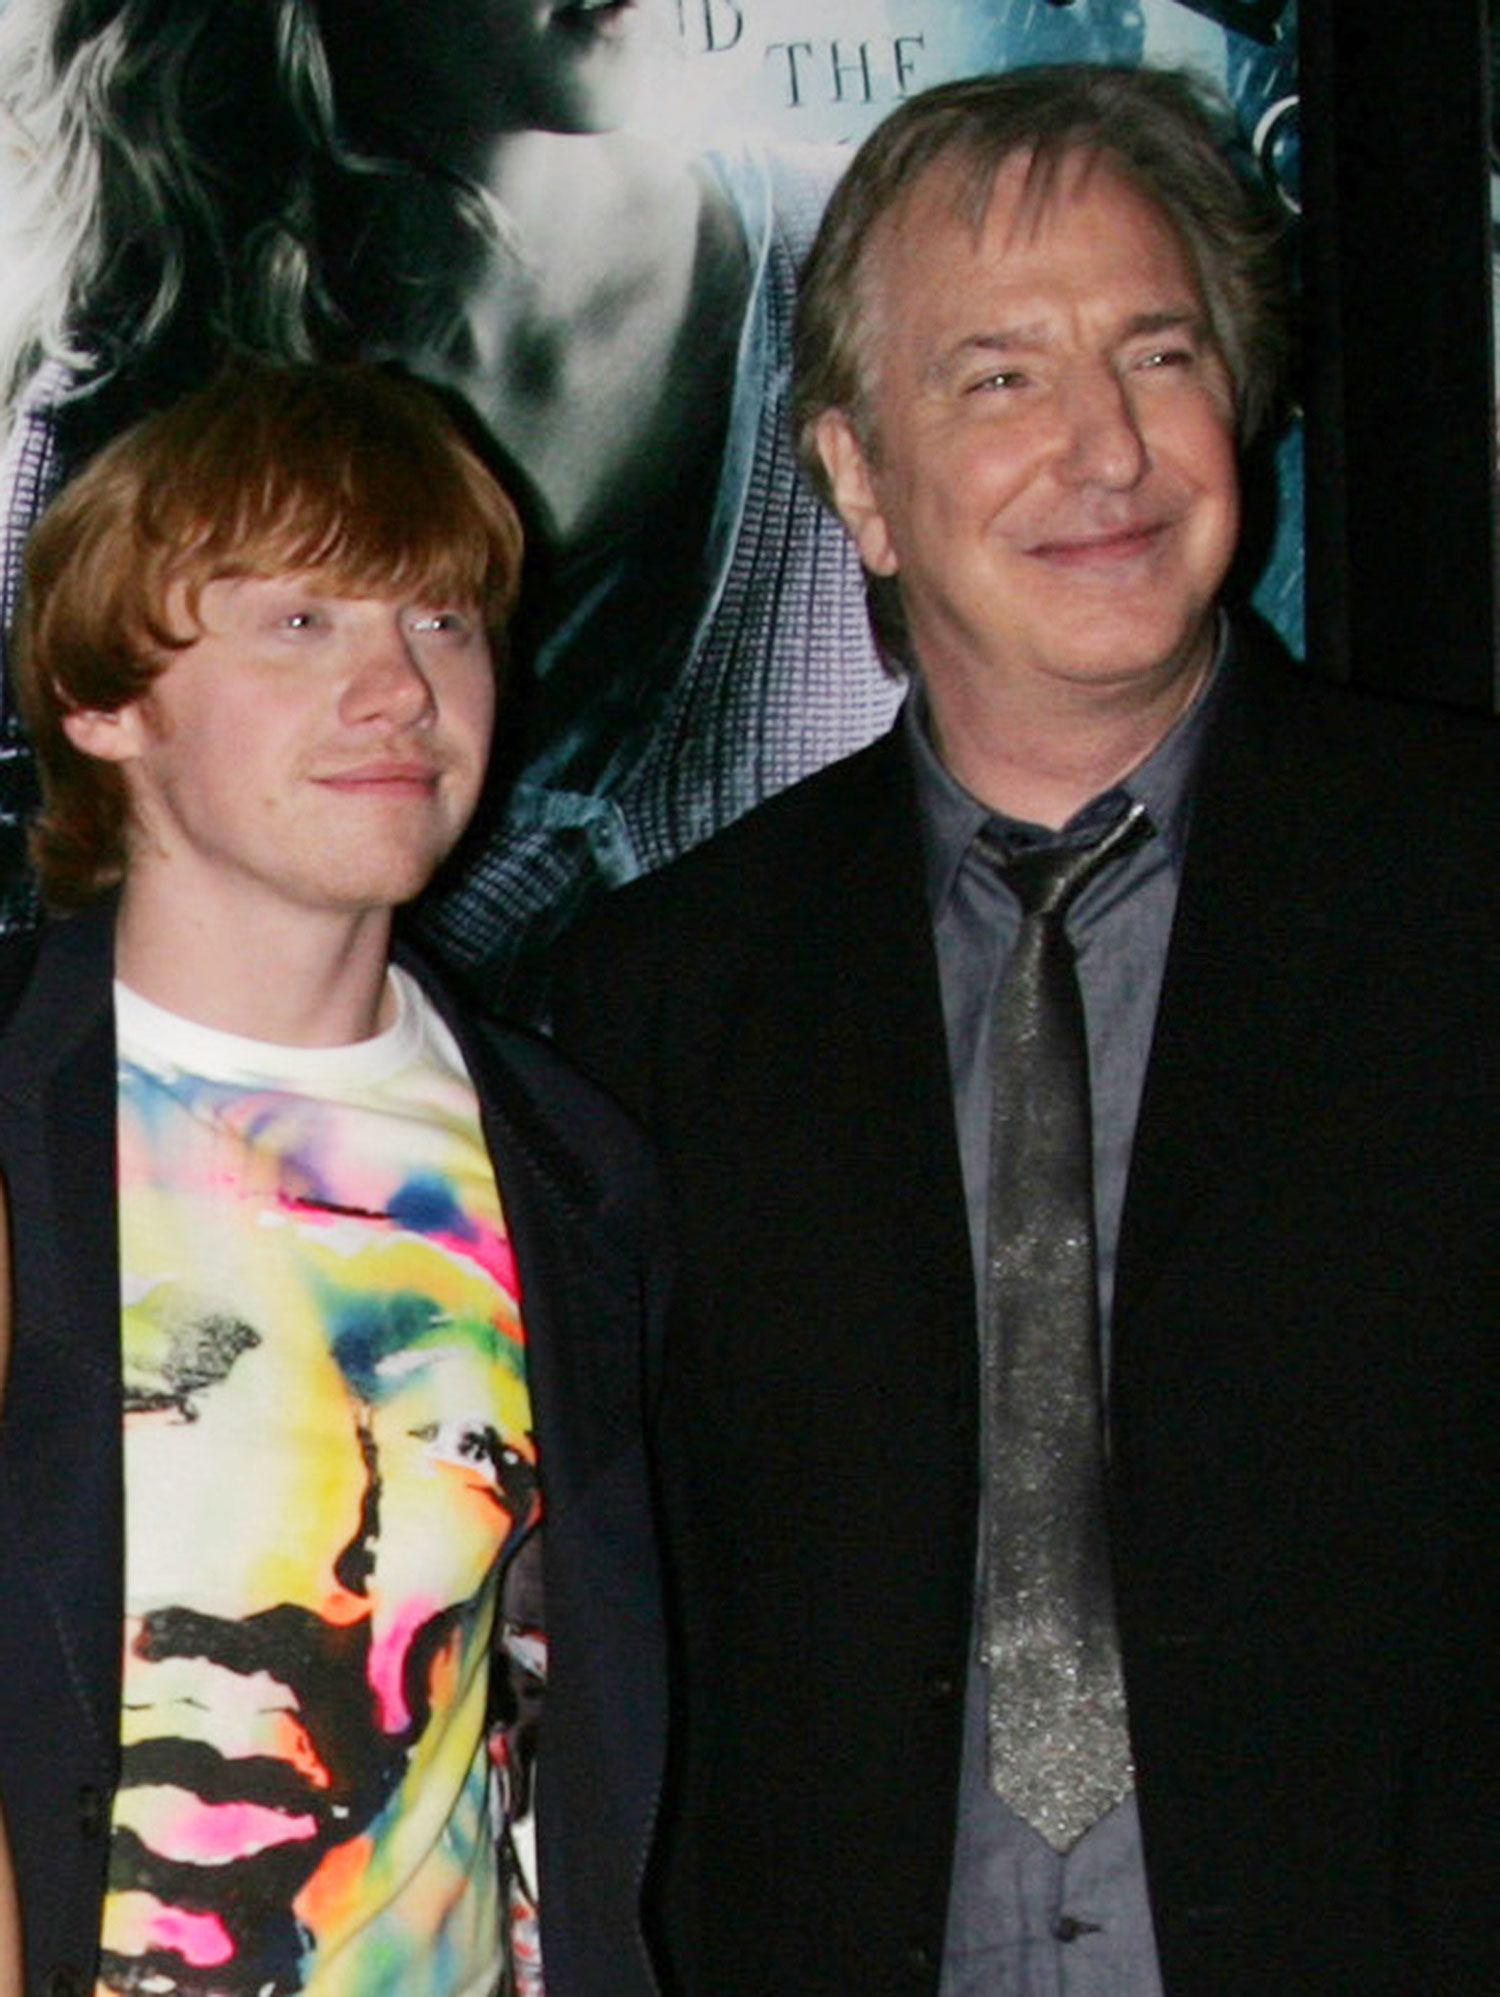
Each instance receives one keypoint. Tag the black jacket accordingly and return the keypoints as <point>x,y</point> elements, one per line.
<point>1305,1336</point>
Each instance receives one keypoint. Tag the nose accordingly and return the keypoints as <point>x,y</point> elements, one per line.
<point>1103,442</point>
<point>315,1502</point>
<point>387,682</point>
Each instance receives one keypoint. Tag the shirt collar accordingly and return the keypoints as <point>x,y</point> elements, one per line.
<point>1163,783</point>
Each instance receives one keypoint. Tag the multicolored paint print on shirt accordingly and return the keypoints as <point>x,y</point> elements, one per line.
<point>328,1456</point>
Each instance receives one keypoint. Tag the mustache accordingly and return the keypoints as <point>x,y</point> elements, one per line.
<point>324,1669</point>
<point>292,1645</point>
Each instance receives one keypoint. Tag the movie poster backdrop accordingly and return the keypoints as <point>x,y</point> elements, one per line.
<point>586,219</point>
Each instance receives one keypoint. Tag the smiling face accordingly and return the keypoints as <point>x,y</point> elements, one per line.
<point>307,750</point>
<point>1048,465</point>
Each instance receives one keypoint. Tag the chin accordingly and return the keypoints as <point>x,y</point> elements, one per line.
<point>1125,652</point>
<point>597,115</point>
<point>595,92</point>
<point>367,890</point>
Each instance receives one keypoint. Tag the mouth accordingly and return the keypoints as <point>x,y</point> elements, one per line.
<point>1114,548</point>
<point>191,1804</point>
<point>385,778</point>
<point>593,17</point>
<point>184,1830</point>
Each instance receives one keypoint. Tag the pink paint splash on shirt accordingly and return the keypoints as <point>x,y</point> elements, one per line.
<point>386,1668</point>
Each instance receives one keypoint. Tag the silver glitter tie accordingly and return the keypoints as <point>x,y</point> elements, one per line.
<point>1059,1747</point>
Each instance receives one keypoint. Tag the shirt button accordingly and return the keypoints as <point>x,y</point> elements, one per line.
<point>921,1958</point>
<point>93,1813</point>
<point>940,1687</point>
<point>1068,1928</point>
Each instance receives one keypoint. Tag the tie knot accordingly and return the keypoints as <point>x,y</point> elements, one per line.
<point>1047,879</point>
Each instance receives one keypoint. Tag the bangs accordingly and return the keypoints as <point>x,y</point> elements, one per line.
<point>375,493</point>
<point>398,535</point>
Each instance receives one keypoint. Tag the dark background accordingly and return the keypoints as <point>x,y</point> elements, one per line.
<point>1400,395</point>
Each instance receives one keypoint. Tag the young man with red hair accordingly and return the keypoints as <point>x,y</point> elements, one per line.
<point>330,1307</point>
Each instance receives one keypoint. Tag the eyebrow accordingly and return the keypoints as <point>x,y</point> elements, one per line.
<point>201,1351</point>
<point>393,1369</point>
<point>1170,319</point>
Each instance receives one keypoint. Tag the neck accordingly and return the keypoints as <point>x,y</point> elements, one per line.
<point>292,978</point>
<point>1043,761</point>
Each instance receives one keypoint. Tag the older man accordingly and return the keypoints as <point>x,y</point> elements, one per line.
<point>330,1312</point>
<point>1081,1110</point>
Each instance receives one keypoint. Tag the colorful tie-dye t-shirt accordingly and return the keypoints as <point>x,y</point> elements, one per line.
<point>329,1461</point>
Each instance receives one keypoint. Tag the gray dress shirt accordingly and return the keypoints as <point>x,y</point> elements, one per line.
<point>1024,1920</point>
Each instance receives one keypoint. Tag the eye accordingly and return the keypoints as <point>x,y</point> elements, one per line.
<point>1180,354</point>
<point>473,1445</point>
<point>303,617</point>
<point>444,623</point>
<point>996,383</point>
<point>489,1458</point>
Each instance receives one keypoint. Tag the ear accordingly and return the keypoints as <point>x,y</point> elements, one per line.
<point>848,472</point>
<point>113,735</point>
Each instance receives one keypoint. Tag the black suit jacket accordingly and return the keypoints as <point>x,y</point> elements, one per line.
<point>583,1211</point>
<point>1302,1487</point>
